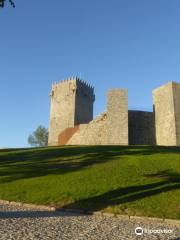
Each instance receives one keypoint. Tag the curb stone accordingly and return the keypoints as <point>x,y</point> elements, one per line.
<point>19,204</point>
<point>124,217</point>
<point>95,213</point>
<point>141,218</point>
<point>155,219</point>
<point>106,214</point>
<point>172,222</point>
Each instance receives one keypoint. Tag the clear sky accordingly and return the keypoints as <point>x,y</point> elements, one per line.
<point>133,44</point>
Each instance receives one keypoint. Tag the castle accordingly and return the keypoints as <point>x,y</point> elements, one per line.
<point>72,123</point>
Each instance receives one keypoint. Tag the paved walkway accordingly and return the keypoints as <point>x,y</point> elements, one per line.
<point>19,223</point>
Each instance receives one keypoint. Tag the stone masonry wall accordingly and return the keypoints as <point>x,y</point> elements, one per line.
<point>165,115</point>
<point>94,133</point>
<point>117,117</point>
<point>141,128</point>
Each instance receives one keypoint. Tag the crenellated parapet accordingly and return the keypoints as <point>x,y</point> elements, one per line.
<point>75,85</point>
<point>74,79</point>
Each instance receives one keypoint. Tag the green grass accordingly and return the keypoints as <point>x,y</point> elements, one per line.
<point>135,180</point>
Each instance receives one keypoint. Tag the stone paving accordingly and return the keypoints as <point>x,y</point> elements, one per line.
<point>19,223</point>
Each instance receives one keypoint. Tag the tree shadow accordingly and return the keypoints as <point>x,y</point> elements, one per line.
<point>35,162</point>
<point>171,181</point>
<point>57,165</point>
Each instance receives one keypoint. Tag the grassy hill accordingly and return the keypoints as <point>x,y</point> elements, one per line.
<point>135,180</point>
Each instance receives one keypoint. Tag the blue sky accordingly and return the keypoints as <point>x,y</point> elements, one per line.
<point>133,44</point>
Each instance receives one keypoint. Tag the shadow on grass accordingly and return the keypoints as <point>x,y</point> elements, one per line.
<point>32,164</point>
<point>35,162</point>
<point>171,181</point>
<point>18,155</point>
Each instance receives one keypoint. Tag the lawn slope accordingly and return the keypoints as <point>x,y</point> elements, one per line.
<point>135,180</point>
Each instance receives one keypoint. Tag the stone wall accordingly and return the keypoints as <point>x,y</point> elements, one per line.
<point>94,133</point>
<point>117,117</point>
<point>141,128</point>
<point>165,115</point>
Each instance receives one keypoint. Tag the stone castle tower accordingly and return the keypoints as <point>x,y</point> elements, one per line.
<point>167,114</point>
<point>71,105</point>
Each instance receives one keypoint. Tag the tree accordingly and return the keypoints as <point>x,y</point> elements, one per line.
<point>3,1</point>
<point>39,138</point>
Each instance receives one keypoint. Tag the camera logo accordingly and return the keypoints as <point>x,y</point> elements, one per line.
<point>139,231</point>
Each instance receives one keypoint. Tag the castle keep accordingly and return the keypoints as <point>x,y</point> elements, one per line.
<point>71,105</point>
<point>72,123</point>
